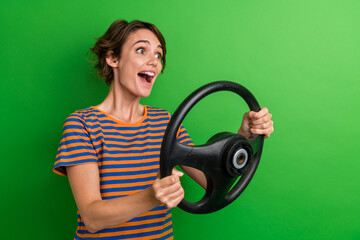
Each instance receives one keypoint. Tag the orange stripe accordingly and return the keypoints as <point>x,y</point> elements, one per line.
<point>128,177</point>
<point>68,153</point>
<point>153,160</point>
<point>128,224</point>
<point>113,142</point>
<point>119,185</point>
<point>119,194</point>
<point>150,229</point>
<point>129,154</point>
<point>74,145</point>
<point>145,134</point>
<point>76,159</point>
<point>130,143</point>
<point>128,149</point>
<point>126,138</point>
<point>64,174</point>
<point>128,169</point>
<point>150,213</point>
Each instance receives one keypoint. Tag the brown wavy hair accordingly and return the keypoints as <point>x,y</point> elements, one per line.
<point>114,39</point>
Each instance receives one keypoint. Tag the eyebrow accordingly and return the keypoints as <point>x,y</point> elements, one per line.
<point>147,42</point>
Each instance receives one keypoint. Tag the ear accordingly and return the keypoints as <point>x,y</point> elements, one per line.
<point>111,60</point>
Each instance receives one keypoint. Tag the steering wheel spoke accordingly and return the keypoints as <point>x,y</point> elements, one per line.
<point>205,158</point>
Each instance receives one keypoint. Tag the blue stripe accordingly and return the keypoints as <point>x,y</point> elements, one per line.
<point>132,145</point>
<point>155,114</point>
<point>69,126</point>
<point>64,150</point>
<point>148,124</point>
<point>146,150</point>
<point>130,158</point>
<point>110,190</point>
<point>133,165</point>
<point>129,140</point>
<point>183,138</point>
<point>118,133</point>
<point>61,164</point>
<point>149,217</point>
<point>76,134</point>
<point>122,181</point>
<point>157,119</point>
<point>187,142</point>
<point>169,235</point>
<point>82,154</point>
<point>74,141</point>
<point>114,174</point>
<point>134,236</point>
<point>119,229</point>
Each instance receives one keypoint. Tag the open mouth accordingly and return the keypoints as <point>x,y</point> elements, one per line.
<point>147,76</point>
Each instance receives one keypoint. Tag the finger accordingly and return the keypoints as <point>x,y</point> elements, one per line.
<point>166,194</point>
<point>167,181</point>
<point>263,119</point>
<point>265,125</point>
<point>266,132</point>
<point>174,199</point>
<point>177,172</point>
<point>256,115</point>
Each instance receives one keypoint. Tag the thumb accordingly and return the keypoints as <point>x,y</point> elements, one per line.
<point>252,114</point>
<point>177,172</point>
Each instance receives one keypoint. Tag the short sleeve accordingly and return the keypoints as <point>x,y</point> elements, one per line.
<point>75,145</point>
<point>182,135</point>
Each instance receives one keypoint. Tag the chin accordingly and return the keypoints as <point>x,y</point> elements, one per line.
<point>144,94</point>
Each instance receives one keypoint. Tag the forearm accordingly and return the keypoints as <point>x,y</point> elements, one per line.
<point>102,214</point>
<point>196,175</point>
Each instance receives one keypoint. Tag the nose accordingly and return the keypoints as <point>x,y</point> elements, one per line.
<point>152,60</point>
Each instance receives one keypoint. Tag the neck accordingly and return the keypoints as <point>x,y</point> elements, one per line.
<point>122,105</point>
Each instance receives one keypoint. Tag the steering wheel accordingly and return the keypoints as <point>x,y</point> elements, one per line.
<point>223,159</point>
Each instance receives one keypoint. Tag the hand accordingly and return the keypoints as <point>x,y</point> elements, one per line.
<point>257,123</point>
<point>168,190</point>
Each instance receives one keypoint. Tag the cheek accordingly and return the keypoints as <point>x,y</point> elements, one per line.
<point>159,66</point>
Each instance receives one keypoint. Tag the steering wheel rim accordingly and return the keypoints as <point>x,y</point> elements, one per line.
<point>212,158</point>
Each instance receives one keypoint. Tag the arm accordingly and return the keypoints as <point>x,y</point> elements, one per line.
<point>197,175</point>
<point>99,214</point>
<point>257,123</point>
<point>252,123</point>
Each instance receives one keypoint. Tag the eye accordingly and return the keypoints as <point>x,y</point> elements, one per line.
<point>158,56</point>
<point>140,50</point>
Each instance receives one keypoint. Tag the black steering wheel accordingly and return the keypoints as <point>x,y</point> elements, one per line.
<point>223,159</point>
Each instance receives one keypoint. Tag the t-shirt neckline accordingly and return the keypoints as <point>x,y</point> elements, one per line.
<point>124,123</point>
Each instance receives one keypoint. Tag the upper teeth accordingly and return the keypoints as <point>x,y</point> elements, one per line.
<point>151,74</point>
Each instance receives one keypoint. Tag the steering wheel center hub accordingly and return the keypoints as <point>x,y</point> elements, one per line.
<point>240,158</point>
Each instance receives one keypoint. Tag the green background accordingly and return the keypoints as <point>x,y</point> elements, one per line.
<point>301,59</point>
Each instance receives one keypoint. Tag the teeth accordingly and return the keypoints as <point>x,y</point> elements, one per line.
<point>151,74</point>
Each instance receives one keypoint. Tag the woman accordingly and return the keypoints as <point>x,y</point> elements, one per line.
<point>110,152</point>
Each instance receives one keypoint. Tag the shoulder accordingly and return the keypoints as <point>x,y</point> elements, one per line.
<point>84,116</point>
<point>157,112</point>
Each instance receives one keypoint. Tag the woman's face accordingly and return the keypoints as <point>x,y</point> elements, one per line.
<point>140,63</point>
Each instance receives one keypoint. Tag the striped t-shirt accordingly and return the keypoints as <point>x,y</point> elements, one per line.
<point>127,156</point>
